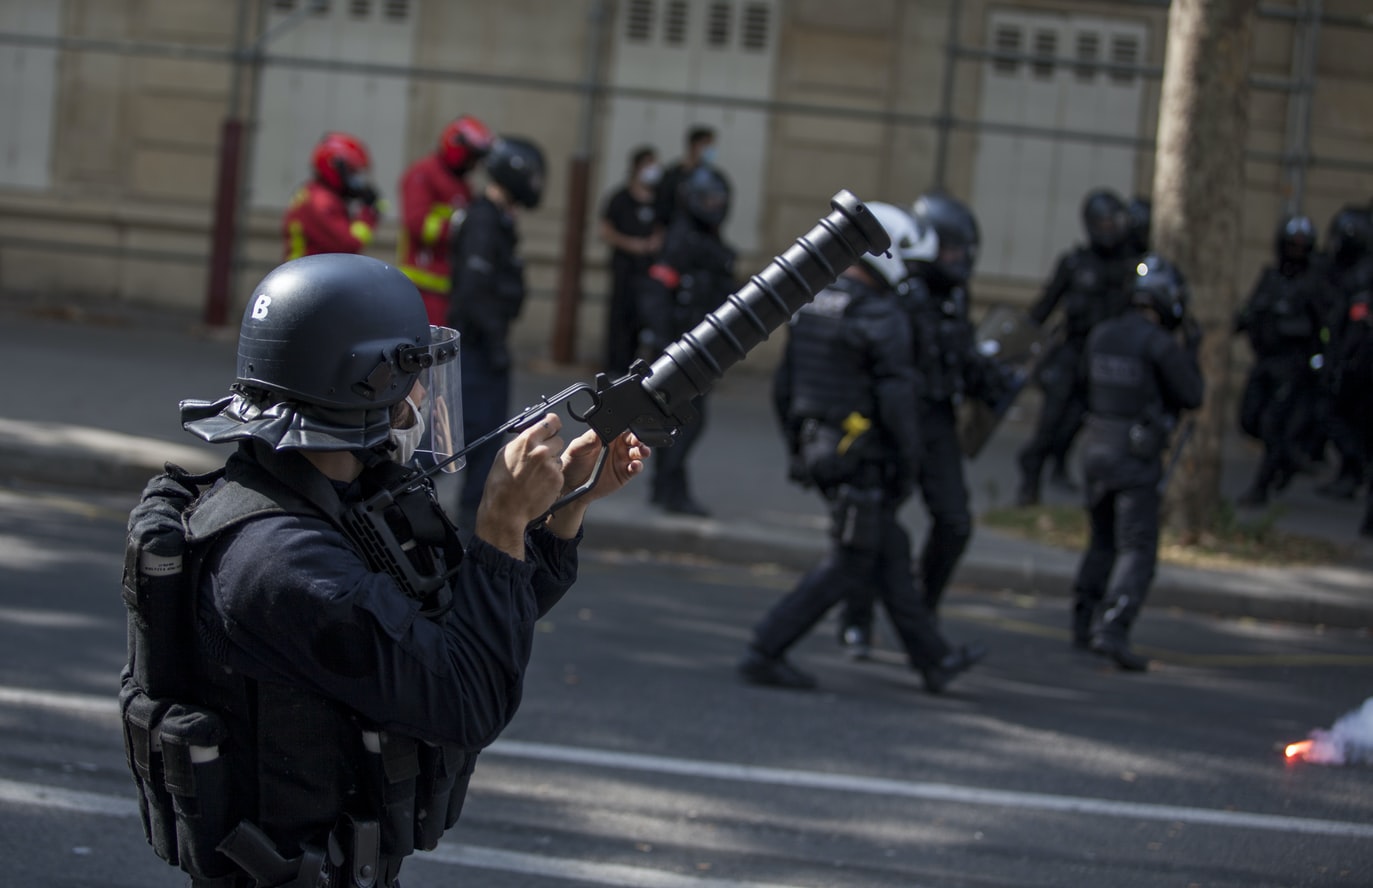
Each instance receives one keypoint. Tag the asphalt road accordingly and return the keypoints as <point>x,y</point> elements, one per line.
<point>638,760</point>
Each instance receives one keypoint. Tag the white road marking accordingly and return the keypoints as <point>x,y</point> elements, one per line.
<point>654,764</point>
<point>942,792</point>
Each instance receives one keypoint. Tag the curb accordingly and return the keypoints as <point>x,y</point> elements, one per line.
<point>67,455</point>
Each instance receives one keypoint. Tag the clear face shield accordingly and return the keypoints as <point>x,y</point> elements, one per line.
<point>432,414</point>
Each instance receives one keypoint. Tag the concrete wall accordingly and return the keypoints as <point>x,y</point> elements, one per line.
<point>858,86</point>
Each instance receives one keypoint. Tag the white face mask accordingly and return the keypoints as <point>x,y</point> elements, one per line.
<point>650,174</point>
<point>408,439</point>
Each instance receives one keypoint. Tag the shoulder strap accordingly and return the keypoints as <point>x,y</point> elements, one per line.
<point>261,481</point>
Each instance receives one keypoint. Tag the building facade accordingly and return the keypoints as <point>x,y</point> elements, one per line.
<point>118,112</point>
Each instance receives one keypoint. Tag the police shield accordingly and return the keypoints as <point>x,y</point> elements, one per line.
<point>1009,337</point>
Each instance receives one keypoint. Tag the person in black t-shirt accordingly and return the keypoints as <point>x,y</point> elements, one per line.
<point>628,226</point>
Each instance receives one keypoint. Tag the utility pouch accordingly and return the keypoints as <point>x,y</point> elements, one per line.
<point>197,776</point>
<point>394,768</point>
<point>142,718</point>
<point>821,455</point>
<point>362,852</point>
<point>154,585</point>
<point>857,517</point>
<point>466,763</point>
<point>1147,440</point>
<point>433,788</point>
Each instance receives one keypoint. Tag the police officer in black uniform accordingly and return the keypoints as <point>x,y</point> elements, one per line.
<point>344,666</point>
<point>1349,250</point>
<point>488,294</point>
<point>691,277</point>
<point>1139,378</point>
<point>844,394</point>
<point>1091,283</point>
<point>1283,322</point>
<point>949,369</point>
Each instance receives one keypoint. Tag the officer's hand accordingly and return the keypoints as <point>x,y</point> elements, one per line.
<point>624,461</point>
<point>524,481</point>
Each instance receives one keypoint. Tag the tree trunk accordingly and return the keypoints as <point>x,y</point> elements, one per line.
<point>1197,200</point>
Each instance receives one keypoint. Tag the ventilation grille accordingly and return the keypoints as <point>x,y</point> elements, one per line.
<point>755,27</point>
<point>639,21</point>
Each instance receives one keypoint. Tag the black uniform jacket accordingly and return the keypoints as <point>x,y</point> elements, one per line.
<point>297,605</point>
<point>1138,373</point>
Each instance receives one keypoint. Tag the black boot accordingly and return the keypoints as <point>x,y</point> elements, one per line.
<point>1082,625</point>
<point>1255,497</point>
<point>760,669</point>
<point>956,662</point>
<point>1116,645</point>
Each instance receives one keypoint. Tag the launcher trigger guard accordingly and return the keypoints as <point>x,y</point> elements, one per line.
<point>579,491</point>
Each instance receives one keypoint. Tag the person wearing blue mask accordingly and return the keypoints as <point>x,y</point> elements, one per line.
<point>628,224</point>
<point>701,151</point>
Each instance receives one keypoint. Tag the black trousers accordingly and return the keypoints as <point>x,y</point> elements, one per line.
<point>1276,408</point>
<point>485,405</point>
<point>669,464</point>
<point>886,568</point>
<point>1117,569</point>
<point>622,314</point>
<point>944,491</point>
<point>1061,414</point>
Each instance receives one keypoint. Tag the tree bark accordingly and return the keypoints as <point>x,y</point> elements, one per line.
<point>1197,201</point>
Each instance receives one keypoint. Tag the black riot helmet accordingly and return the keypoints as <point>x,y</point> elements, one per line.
<point>1139,214</point>
<point>1159,285</point>
<point>1294,241</point>
<point>1105,220</point>
<point>328,345</point>
<point>959,238</point>
<point>705,196</point>
<point>517,165</point>
<point>1349,235</point>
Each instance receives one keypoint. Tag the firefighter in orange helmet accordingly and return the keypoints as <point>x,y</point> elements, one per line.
<point>336,211</point>
<point>432,191</point>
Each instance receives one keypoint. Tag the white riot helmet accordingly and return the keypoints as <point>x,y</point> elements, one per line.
<point>908,243</point>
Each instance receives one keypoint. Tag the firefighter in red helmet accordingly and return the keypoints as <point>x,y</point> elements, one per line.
<point>336,211</point>
<point>432,190</point>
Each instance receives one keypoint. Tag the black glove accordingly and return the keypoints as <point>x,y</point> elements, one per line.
<point>366,194</point>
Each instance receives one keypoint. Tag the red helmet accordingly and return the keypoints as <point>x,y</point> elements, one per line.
<point>337,157</point>
<point>464,142</point>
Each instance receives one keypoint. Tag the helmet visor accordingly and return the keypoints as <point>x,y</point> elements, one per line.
<point>438,394</point>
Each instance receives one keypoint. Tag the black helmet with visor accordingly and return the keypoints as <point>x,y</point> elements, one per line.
<point>333,350</point>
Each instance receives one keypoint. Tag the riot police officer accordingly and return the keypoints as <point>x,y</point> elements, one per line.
<point>949,369</point>
<point>844,394</point>
<point>1283,322</point>
<point>1090,282</point>
<point>1139,379</point>
<point>486,297</point>
<point>691,276</point>
<point>342,667</point>
<point>1349,248</point>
